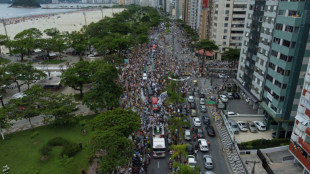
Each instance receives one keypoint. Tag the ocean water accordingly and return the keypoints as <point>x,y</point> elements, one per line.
<point>8,12</point>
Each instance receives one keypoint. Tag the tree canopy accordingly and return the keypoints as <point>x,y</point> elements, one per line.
<point>231,54</point>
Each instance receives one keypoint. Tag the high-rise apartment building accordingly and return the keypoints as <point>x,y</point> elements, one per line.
<point>194,10</point>
<point>206,20</point>
<point>273,59</point>
<point>228,24</point>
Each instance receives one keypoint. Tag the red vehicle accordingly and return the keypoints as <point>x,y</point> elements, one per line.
<point>155,104</point>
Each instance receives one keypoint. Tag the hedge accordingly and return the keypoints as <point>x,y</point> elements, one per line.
<point>263,143</point>
<point>69,148</point>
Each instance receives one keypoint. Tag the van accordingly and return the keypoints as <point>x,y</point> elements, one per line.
<point>220,104</point>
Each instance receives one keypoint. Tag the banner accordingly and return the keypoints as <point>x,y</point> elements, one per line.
<point>204,3</point>
<point>162,97</point>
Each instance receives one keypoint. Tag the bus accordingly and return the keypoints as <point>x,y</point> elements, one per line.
<point>159,147</point>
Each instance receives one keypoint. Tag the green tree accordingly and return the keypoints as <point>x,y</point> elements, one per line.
<point>5,122</point>
<point>17,47</point>
<point>59,108</point>
<point>176,124</point>
<point>3,40</point>
<point>5,79</point>
<point>78,41</point>
<point>55,42</point>
<point>231,55</point>
<point>28,38</point>
<point>206,45</point>
<point>178,151</point>
<point>29,105</point>
<point>126,122</point>
<point>117,148</point>
<point>185,169</point>
<point>106,92</point>
<point>25,73</point>
<point>76,76</point>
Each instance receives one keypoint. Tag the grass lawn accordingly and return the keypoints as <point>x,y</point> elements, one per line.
<point>53,61</point>
<point>22,153</point>
<point>4,61</point>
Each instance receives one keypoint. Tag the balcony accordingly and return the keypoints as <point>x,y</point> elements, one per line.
<point>307,96</point>
<point>307,78</point>
<point>298,153</point>
<point>302,127</point>
<point>301,109</point>
<point>294,137</point>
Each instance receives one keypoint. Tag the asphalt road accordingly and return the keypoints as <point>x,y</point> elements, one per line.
<point>160,166</point>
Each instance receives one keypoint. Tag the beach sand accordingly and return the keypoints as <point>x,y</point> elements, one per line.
<point>72,21</point>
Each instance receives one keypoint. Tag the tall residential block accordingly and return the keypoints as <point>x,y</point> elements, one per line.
<point>274,59</point>
<point>228,24</point>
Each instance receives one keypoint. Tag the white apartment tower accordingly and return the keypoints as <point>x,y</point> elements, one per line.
<point>228,24</point>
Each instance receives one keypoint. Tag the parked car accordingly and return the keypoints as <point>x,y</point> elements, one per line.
<point>252,127</point>
<point>184,112</point>
<point>247,100</point>
<point>199,133</point>
<point>259,125</point>
<point>229,95</point>
<point>193,113</point>
<point>203,145</point>
<point>242,126</point>
<point>188,135</point>
<point>190,99</point>
<point>207,161</point>
<point>202,101</point>
<point>233,126</point>
<point>222,76</point>
<point>210,131</point>
<point>191,161</point>
<point>196,122</point>
<point>203,108</point>
<point>229,113</point>
<point>206,119</point>
<point>236,95</point>
<point>144,77</point>
<point>224,98</point>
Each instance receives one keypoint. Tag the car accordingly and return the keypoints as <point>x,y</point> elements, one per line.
<point>229,95</point>
<point>242,126</point>
<point>192,105</point>
<point>210,131</point>
<point>224,98</point>
<point>186,124</point>
<point>247,100</point>
<point>252,127</point>
<point>144,77</point>
<point>203,108</point>
<point>193,113</point>
<point>281,135</point>
<point>203,145</point>
<point>222,76</point>
<point>207,161</point>
<point>188,135</point>
<point>188,108</point>
<point>191,99</point>
<point>191,161</point>
<point>233,126</point>
<point>259,125</point>
<point>199,133</point>
<point>206,119</point>
<point>190,149</point>
<point>230,113</point>
<point>209,172</point>
<point>184,112</point>
<point>196,122</point>
<point>201,96</point>
<point>202,101</point>
<point>236,95</point>
<point>187,74</point>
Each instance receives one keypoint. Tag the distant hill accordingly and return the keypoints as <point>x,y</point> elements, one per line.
<point>26,3</point>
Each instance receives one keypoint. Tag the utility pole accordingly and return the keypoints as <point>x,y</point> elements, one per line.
<point>253,169</point>
<point>6,33</point>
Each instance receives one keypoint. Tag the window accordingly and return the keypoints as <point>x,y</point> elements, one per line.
<point>224,37</point>
<point>281,12</point>
<point>224,43</point>
<point>225,30</point>
<point>225,24</point>
<point>226,18</point>
<point>279,26</point>
<point>227,12</point>
<point>274,8</point>
<point>274,53</point>
<point>251,7</point>
<point>272,66</point>
<point>227,5</point>
<point>260,19</point>
<point>276,40</point>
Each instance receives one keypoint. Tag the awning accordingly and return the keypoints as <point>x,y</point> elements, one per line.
<point>210,102</point>
<point>207,53</point>
<point>246,91</point>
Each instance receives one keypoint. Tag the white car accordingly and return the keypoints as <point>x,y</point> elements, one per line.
<point>231,113</point>
<point>207,161</point>
<point>144,77</point>
<point>191,99</point>
<point>260,126</point>
<point>202,101</point>
<point>222,76</point>
<point>242,126</point>
<point>224,98</point>
<point>203,145</point>
<point>191,161</point>
<point>197,122</point>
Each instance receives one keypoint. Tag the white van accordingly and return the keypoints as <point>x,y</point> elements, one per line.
<point>220,104</point>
